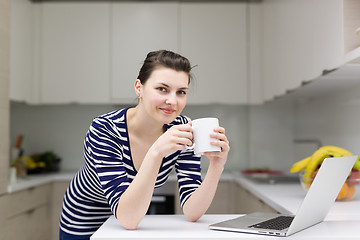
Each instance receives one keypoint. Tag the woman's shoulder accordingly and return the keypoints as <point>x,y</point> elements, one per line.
<point>116,118</point>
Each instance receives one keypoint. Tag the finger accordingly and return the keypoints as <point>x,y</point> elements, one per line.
<point>184,127</point>
<point>223,145</point>
<point>219,136</point>
<point>213,154</point>
<point>219,130</point>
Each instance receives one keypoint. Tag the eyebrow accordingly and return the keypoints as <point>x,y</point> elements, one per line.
<point>165,85</point>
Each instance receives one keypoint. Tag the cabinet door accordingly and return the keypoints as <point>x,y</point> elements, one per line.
<point>74,52</point>
<point>297,44</point>
<point>213,37</point>
<point>31,225</point>
<point>223,202</point>
<point>4,203</point>
<point>246,202</point>
<point>57,197</point>
<point>22,83</point>
<point>138,28</point>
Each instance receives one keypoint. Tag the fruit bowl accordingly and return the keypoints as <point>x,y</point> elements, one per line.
<point>347,191</point>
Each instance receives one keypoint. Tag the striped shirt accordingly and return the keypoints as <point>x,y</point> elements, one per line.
<point>108,170</point>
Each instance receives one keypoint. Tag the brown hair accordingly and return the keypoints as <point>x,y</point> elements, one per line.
<point>163,58</point>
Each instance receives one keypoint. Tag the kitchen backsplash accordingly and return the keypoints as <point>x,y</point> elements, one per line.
<point>62,128</point>
<point>260,136</point>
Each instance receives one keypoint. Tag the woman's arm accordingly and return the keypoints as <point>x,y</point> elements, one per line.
<point>134,202</point>
<point>200,200</point>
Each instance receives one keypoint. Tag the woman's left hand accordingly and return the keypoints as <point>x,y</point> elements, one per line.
<point>218,159</point>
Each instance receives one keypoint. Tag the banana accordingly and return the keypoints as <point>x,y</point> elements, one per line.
<point>316,159</point>
<point>337,150</point>
<point>357,164</point>
<point>311,164</point>
<point>300,165</point>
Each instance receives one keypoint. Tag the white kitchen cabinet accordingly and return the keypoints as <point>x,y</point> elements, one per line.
<point>300,46</point>
<point>4,203</point>
<point>28,214</point>
<point>23,86</point>
<point>57,196</point>
<point>214,37</point>
<point>224,199</point>
<point>246,202</point>
<point>136,29</point>
<point>74,52</point>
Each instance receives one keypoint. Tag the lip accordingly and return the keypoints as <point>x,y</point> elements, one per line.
<point>167,110</point>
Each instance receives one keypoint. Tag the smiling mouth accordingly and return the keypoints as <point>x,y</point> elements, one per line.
<point>167,111</point>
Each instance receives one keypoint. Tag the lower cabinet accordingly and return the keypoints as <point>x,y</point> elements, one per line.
<point>32,214</point>
<point>28,214</point>
<point>4,203</point>
<point>232,198</point>
<point>246,202</point>
<point>32,225</point>
<point>57,195</point>
<point>224,199</point>
<point>223,202</point>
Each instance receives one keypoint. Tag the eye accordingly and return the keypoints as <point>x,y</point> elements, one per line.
<point>182,92</point>
<point>161,89</point>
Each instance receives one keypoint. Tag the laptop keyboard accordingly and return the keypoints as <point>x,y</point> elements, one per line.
<point>278,223</point>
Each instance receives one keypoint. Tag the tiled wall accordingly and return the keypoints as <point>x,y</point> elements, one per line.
<point>332,118</point>
<point>4,91</point>
<point>260,136</point>
<point>62,128</point>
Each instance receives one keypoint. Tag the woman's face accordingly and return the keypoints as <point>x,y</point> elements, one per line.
<point>164,94</point>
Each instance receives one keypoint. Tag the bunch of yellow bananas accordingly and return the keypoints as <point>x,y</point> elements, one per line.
<point>312,163</point>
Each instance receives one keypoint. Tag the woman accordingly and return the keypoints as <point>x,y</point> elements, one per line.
<point>129,152</point>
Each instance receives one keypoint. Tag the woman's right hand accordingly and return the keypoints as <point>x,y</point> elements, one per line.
<point>175,138</point>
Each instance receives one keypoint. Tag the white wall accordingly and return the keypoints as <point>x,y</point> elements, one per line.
<point>271,135</point>
<point>334,119</point>
<point>260,136</point>
<point>62,128</point>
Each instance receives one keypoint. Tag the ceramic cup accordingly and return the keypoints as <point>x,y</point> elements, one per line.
<point>202,128</point>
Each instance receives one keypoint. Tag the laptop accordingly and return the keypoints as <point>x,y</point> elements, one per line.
<point>314,208</point>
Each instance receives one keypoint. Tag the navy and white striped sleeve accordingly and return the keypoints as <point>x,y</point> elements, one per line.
<point>105,150</point>
<point>188,171</point>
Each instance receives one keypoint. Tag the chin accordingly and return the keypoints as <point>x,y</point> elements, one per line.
<point>168,118</point>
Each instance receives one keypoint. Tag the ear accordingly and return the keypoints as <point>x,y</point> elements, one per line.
<point>137,87</point>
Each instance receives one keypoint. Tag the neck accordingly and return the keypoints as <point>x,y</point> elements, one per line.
<point>139,123</point>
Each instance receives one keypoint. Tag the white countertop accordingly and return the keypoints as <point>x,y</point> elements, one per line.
<point>178,227</point>
<point>341,223</point>
<point>35,180</point>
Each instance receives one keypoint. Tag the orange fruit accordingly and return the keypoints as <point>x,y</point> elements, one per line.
<point>346,192</point>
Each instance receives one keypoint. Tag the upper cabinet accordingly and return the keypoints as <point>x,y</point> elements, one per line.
<point>92,51</point>
<point>244,52</point>
<point>74,52</point>
<point>213,36</point>
<point>136,29</point>
<point>302,40</point>
<point>22,36</point>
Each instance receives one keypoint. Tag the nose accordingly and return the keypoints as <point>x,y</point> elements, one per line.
<point>170,99</point>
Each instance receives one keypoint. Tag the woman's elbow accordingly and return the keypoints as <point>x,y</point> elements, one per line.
<point>192,217</point>
<point>129,224</point>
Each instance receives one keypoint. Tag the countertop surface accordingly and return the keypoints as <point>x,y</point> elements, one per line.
<point>178,227</point>
<point>35,180</point>
<point>341,223</point>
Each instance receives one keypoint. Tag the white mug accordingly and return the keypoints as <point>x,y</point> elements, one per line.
<point>202,128</point>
